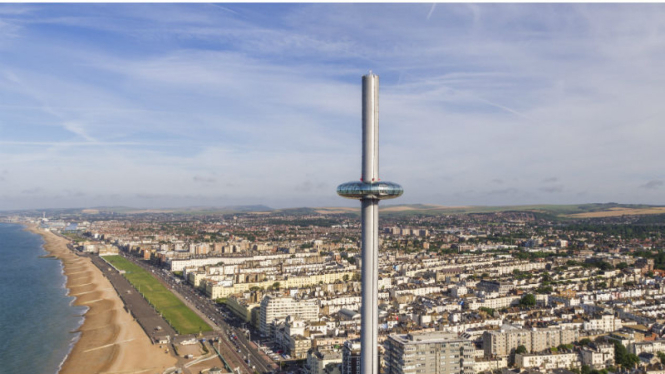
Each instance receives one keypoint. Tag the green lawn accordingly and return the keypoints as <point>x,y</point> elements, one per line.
<point>178,315</point>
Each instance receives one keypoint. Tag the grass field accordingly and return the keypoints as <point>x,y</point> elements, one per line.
<point>617,212</point>
<point>177,314</point>
<point>558,211</point>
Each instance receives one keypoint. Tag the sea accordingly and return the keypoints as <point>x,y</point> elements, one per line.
<point>38,321</point>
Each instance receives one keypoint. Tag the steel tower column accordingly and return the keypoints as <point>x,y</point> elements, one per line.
<point>369,191</point>
<point>370,228</point>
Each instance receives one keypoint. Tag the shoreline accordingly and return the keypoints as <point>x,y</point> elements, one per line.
<point>108,338</point>
<point>80,317</point>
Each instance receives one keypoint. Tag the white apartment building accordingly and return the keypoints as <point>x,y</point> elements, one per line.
<point>494,303</point>
<point>458,291</point>
<point>567,301</point>
<point>415,291</point>
<point>482,365</point>
<point>598,357</point>
<point>647,347</point>
<point>606,322</point>
<point>179,265</point>
<point>278,308</point>
<point>547,361</point>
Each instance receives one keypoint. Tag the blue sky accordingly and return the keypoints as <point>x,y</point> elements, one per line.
<point>166,105</point>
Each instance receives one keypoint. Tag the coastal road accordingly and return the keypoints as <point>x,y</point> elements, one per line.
<point>151,322</point>
<point>242,349</point>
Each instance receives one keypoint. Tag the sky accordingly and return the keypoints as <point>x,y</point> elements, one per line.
<point>174,105</point>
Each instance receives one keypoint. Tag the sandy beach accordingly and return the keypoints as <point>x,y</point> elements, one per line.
<point>110,341</point>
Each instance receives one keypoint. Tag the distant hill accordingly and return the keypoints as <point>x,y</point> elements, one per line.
<point>594,210</point>
<point>129,210</point>
<point>223,210</point>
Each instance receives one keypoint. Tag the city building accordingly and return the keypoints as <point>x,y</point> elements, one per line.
<point>547,361</point>
<point>317,359</point>
<point>430,353</point>
<point>351,357</point>
<point>278,308</point>
<point>598,356</point>
<point>499,343</point>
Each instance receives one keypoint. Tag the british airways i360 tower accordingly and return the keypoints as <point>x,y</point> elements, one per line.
<point>369,190</point>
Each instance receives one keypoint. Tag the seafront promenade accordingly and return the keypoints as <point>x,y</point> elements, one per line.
<point>110,339</point>
<point>147,326</point>
<point>152,323</point>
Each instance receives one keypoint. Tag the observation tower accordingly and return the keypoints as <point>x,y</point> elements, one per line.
<point>369,190</point>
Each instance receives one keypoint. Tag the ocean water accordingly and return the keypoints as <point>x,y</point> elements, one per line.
<point>37,318</point>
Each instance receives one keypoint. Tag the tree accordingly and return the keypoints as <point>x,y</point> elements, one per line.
<point>585,342</point>
<point>276,285</point>
<point>345,278</point>
<point>631,360</point>
<point>544,290</point>
<point>586,369</point>
<point>604,265</point>
<point>520,350</point>
<point>620,352</point>
<point>622,357</point>
<point>484,275</point>
<point>528,300</point>
<point>489,311</point>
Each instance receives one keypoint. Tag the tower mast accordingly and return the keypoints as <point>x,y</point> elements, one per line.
<point>369,191</point>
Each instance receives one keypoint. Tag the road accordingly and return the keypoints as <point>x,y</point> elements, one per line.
<point>239,349</point>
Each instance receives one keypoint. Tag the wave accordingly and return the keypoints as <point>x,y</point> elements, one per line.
<point>72,343</point>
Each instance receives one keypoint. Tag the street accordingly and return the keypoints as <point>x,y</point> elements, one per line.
<point>242,352</point>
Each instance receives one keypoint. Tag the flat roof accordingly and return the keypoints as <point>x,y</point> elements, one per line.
<point>426,337</point>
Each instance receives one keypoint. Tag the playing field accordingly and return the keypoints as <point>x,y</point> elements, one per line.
<point>177,314</point>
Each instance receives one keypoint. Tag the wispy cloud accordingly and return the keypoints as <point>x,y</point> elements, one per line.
<point>504,191</point>
<point>653,184</point>
<point>552,189</point>
<point>431,11</point>
<point>199,179</point>
<point>168,95</point>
